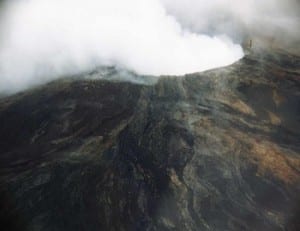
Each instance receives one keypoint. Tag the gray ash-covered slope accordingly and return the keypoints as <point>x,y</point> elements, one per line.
<point>217,150</point>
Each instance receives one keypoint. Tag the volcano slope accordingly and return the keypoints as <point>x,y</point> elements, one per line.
<point>217,150</point>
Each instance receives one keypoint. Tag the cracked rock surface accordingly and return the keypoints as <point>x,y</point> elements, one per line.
<point>218,150</point>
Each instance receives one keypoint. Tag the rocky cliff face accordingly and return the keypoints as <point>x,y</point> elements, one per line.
<point>217,150</point>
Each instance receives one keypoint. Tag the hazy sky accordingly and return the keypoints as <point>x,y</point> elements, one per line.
<point>44,39</point>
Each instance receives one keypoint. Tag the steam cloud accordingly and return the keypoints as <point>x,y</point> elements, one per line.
<point>41,40</point>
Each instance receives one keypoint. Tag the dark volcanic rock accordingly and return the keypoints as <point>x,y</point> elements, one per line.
<point>217,150</point>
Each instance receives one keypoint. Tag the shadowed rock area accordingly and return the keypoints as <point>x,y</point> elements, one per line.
<point>217,150</point>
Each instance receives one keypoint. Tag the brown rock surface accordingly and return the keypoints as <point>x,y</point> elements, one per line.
<point>218,150</point>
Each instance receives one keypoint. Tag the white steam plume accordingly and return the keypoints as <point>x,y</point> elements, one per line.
<point>236,17</point>
<point>43,39</point>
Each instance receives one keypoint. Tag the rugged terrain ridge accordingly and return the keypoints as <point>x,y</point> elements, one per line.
<point>217,150</point>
